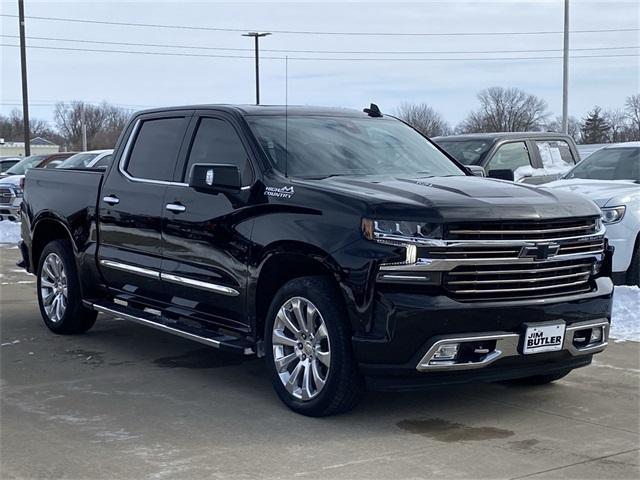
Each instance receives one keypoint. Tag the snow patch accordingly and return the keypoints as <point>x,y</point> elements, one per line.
<point>9,231</point>
<point>625,318</point>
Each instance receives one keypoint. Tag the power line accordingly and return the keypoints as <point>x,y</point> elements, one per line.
<point>311,32</point>
<point>351,52</point>
<point>353,59</point>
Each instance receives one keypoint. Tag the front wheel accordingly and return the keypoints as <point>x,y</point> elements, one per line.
<point>59,295</point>
<point>308,349</point>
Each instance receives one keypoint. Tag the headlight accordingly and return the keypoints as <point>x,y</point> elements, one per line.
<point>18,192</point>
<point>400,232</point>
<point>612,214</point>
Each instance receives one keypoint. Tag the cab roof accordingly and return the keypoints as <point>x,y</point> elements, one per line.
<point>249,110</point>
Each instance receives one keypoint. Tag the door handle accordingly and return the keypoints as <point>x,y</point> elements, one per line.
<point>175,207</point>
<point>111,200</point>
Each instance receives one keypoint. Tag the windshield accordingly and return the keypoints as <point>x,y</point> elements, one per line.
<point>609,164</point>
<point>25,164</point>
<point>467,152</point>
<point>79,160</point>
<point>322,146</point>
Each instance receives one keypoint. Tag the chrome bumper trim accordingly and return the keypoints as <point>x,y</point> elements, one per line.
<point>507,346</point>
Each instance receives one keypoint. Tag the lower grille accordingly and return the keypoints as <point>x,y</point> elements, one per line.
<point>519,281</point>
<point>6,196</point>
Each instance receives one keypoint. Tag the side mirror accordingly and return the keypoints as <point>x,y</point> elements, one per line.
<point>502,174</point>
<point>476,170</point>
<point>215,178</point>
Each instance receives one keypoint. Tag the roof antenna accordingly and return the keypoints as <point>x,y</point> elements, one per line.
<point>286,115</point>
<point>373,111</point>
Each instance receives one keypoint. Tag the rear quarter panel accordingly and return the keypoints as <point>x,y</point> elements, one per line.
<point>68,197</point>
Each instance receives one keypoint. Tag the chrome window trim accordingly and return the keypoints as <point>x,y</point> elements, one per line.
<point>124,160</point>
<point>214,287</point>
<point>125,267</point>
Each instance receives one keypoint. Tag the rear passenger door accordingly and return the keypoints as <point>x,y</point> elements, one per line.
<point>206,235</point>
<point>130,205</point>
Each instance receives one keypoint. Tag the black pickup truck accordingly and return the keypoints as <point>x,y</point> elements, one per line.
<point>343,246</point>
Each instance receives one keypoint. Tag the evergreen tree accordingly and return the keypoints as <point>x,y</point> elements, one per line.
<point>594,128</point>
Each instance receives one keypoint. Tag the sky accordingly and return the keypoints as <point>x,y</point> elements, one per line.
<point>447,81</point>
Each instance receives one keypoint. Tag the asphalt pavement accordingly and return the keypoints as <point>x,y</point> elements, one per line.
<point>125,401</point>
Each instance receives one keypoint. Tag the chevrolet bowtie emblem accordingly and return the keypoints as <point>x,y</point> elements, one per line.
<point>541,251</point>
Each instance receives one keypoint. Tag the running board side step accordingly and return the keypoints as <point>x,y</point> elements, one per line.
<point>220,341</point>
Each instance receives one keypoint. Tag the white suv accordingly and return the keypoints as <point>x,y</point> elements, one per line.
<point>611,178</point>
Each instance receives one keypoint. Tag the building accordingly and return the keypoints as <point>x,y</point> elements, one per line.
<point>39,146</point>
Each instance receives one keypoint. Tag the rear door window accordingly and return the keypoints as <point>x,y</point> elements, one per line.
<point>156,148</point>
<point>555,154</point>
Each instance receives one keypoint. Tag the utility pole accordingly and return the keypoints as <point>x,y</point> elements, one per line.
<point>565,71</point>
<point>83,120</point>
<point>256,36</point>
<point>25,94</point>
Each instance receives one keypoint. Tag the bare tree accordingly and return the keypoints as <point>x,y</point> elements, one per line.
<point>103,123</point>
<point>619,125</point>
<point>632,109</point>
<point>424,118</point>
<point>12,129</point>
<point>573,124</point>
<point>506,110</point>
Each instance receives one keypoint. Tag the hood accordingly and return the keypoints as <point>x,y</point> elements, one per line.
<point>456,198</point>
<point>600,191</point>
<point>13,180</point>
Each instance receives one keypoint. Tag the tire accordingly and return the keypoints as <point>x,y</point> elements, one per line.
<point>59,295</point>
<point>333,383</point>
<point>539,379</point>
<point>633,272</point>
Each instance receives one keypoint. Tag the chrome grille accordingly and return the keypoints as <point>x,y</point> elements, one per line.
<point>522,230</point>
<point>517,281</point>
<point>6,196</point>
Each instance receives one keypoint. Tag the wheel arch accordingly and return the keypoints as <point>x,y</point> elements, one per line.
<point>45,230</point>
<point>280,263</point>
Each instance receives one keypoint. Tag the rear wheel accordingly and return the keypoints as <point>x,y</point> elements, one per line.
<point>59,295</point>
<point>308,349</point>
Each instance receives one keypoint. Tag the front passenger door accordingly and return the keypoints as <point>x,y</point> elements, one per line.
<point>205,240</point>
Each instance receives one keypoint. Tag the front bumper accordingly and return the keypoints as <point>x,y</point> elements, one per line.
<point>407,325</point>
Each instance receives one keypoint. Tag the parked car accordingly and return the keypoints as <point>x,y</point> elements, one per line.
<point>11,181</point>
<point>528,157</point>
<point>342,246</point>
<point>611,178</point>
<point>8,162</point>
<point>89,159</point>
<point>587,149</point>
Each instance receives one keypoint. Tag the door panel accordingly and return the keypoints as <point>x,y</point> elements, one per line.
<point>130,207</point>
<point>206,245</point>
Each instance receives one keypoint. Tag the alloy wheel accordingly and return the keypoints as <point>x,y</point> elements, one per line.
<point>53,287</point>
<point>301,348</point>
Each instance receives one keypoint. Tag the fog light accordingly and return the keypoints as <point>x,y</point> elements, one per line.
<point>596,335</point>
<point>447,351</point>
